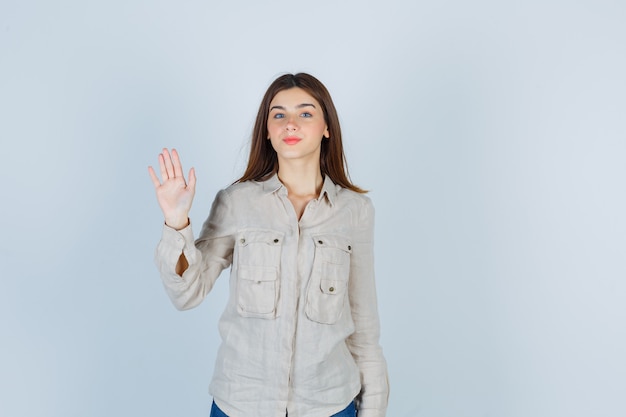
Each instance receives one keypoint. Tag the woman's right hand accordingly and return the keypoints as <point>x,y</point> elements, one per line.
<point>174,195</point>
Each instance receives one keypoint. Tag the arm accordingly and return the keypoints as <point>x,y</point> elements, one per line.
<point>204,259</point>
<point>364,342</point>
<point>188,272</point>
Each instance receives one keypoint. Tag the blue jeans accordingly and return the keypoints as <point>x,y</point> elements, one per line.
<point>349,411</point>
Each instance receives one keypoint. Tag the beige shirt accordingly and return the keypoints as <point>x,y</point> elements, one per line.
<point>300,332</point>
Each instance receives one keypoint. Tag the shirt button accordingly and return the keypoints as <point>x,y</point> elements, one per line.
<point>242,241</point>
<point>276,240</point>
<point>331,289</point>
<point>320,242</point>
<point>349,247</point>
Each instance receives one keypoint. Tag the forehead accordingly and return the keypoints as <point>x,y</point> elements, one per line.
<point>293,97</point>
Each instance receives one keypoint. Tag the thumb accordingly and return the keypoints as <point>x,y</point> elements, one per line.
<point>192,179</point>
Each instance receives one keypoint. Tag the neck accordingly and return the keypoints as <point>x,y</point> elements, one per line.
<point>301,180</point>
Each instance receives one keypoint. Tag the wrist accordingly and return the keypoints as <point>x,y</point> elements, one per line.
<point>177,224</point>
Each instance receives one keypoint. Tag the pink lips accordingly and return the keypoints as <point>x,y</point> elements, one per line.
<point>291,140</point>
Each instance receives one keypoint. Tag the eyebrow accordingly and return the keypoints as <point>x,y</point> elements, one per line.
<point>299,106</point>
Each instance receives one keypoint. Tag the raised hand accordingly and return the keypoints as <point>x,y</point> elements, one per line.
<point>174,195</point>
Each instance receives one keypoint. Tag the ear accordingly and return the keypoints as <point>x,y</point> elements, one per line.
<point>326,133</point>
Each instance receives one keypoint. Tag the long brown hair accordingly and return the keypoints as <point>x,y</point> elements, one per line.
<point>263,161</point>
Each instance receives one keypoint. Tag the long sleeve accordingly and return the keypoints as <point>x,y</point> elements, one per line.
<point>364,342</point>
<point>207,257</point>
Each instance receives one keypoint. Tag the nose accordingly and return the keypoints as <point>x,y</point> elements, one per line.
<point>291,123</point>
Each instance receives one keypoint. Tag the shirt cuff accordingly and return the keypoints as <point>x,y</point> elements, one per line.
<point>173,243</point>
<point>178,237</point>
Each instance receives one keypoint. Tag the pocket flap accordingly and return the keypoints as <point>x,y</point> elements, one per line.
<point>332,286</point>
<point>269,237</point>
<point>333,241</point>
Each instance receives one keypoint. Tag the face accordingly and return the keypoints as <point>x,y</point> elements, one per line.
<point>296,125</point>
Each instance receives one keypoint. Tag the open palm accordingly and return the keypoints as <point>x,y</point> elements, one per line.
<point>174,194</point>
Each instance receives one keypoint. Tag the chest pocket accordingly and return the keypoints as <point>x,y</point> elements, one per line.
<point>328,287</point>
<point>258,271</point>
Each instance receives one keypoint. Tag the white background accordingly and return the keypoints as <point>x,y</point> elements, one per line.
<point>491,134</point>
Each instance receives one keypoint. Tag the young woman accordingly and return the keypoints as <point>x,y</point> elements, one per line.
<point>300,330</point>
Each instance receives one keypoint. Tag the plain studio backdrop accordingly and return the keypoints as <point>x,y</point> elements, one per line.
<point>491,134</point>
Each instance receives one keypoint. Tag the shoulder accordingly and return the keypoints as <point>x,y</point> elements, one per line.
<point>352,198</point>
<point>244,189</point>
<point>241,194</point>
<point>358,204</point>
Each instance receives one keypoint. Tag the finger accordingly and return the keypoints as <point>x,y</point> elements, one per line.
<point>168,164</point>
<point>162,167</point>
<point>178,168</point>
<point>192,180</point>
<point>155,179</point>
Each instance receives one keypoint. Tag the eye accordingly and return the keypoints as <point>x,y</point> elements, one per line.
<point>278,116</point>
<point>306,114</point>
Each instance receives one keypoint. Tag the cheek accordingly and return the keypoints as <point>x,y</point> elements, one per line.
<point>323,128</point>
<point>273,125</point>
<point>270,127</point>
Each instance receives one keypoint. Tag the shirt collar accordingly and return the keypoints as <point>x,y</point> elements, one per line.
<point>272,184</point>
<point>329,189</point>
